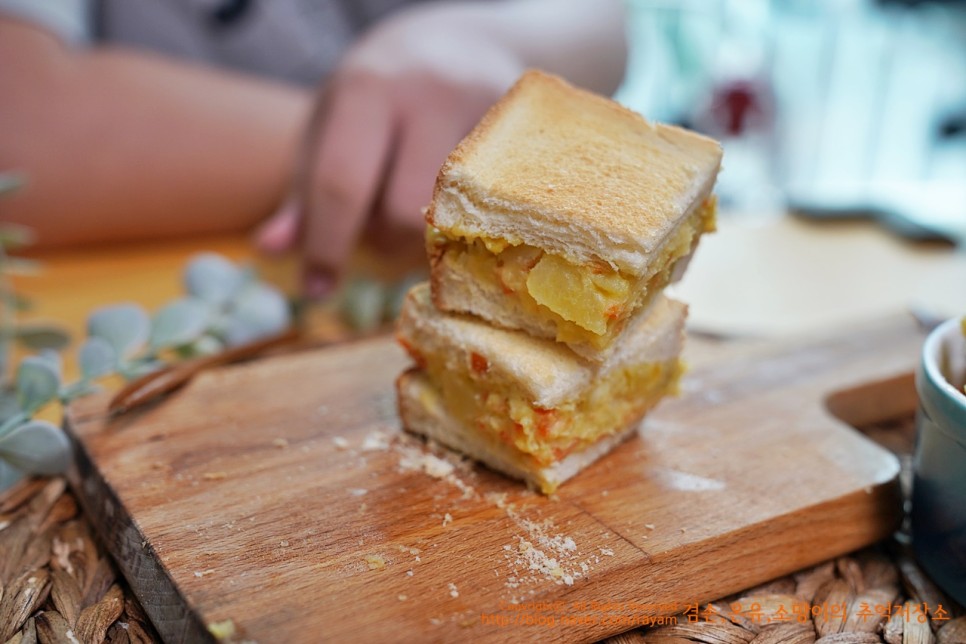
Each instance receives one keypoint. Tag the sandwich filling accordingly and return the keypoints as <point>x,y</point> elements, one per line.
<point>586,303</point>
<point>480,399</point>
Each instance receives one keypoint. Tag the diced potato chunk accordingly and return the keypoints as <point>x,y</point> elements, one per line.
<point>584,297</point>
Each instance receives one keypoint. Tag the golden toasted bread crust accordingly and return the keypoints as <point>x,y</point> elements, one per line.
<point>573,173</point>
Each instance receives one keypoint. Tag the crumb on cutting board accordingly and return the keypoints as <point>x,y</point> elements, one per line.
<point>375,562</point>
<point>222,630</point>
<point>376,442</point>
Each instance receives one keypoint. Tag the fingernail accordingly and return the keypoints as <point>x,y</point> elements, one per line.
<point>278,233</point>
<point>318,282</point>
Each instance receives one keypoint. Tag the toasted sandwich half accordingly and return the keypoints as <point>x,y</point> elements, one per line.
<point>529,407</point>
<point>562,213</point>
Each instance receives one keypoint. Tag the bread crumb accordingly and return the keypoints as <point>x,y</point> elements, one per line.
<point>437,467</point>
<point>340,442</point>
<point>214,476</point>
<point>375,442</point>
<point>358,491</point>
<point>607,552</point>
<point>649,526</point>
<point>447,519</point>
<point>283,543</point>
<point>452,590</point>
<point>222,630</point>
<point>409,573</point>
<point>416,460</point>
<point>414,457</point>
<point>375,562</point>
<point>401,597</point>
<point>280,443</point>
<point>201,573</point>
<point>683,530</point>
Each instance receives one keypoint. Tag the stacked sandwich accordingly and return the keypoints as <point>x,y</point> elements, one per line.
<point>544,337</point>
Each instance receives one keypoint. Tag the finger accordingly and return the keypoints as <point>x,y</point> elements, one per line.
<point>279,233</point>
<point>426,137</point>
<point>354,141</point>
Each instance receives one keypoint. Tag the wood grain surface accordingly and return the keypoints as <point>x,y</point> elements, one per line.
<point>280,501</point>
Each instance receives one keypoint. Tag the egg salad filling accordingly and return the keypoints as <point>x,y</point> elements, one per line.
<point>480,399</point>
<point>587,304</point>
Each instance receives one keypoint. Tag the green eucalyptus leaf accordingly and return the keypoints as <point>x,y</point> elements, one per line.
<point>13,422</point>
<point>37,383</point>
<point>138,368</point>
<point>362,304</point>
<point>76,390</point>
<point>11,181</point>
<point>20,303</point>
<point>42,336</point>
<point>53,358</point>
<point>97,358</point>
<point>9,403</point>
<point>14,236</point>
<point>20,266</point>
<point>9,475</point>
<point>248,273</point>
<point>179,322</point>
<point>124,326</point>
<point>259,311</point>
<point>36,447</point>
<point>213,278</point>
<point>206,345</point>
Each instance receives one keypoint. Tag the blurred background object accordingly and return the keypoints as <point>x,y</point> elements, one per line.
<point>833,108</point>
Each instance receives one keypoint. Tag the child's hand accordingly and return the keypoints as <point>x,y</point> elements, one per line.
<point>401,99</point>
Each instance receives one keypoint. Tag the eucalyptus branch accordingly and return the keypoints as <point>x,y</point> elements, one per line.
<point>225,305</point>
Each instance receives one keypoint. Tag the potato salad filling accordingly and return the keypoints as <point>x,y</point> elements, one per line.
<point>493,405</point>
<point>587,303</point>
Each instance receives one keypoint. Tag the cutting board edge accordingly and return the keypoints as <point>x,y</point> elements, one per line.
<point>130,549</point>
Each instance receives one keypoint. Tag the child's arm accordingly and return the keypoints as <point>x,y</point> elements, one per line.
<point>119,144</point>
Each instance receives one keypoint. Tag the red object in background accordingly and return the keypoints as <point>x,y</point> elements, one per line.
<point>740,105</point>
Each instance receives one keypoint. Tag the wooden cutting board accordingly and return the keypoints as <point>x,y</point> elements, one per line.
<point>280,501</point>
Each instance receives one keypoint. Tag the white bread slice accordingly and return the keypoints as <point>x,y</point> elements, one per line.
<point>547,372</point>
<point>574,174</point>
<point>422,412</point>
